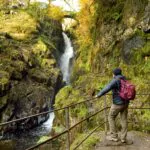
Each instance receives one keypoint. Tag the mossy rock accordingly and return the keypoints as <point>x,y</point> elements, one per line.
<point>13,54</point>
<point>38,75</point>
<point>4,81</point>
<point>3,101</point>
<point>5,64</point>
<point>19,69</point>
<point>48,63</point>
<point>39,48</point>
<point>63,97</point>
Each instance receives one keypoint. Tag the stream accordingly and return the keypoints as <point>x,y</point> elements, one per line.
<point>29,138</point>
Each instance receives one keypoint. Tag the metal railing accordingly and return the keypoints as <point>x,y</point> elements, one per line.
<point>68,129</point>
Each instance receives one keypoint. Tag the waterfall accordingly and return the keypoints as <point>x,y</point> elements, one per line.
<point>66,59</point>
<point>48,124</point>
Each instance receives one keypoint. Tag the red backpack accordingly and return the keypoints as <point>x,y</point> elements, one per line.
<point>127,90</point>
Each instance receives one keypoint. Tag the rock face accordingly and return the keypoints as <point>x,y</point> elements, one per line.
<point>120,35</point>
<point>110,34</point>
<point>29,74</point>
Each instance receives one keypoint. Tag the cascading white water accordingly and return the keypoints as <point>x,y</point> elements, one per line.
<point>65,60</point>
<point>48,124</point>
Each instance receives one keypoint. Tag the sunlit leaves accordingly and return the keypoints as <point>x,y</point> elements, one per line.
<point>55,12</point>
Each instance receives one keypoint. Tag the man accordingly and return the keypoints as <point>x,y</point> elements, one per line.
<point>118,106</point>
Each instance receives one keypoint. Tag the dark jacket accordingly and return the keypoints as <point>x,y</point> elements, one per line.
<point>114,85</point>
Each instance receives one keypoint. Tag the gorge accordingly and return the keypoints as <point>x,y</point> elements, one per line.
<point>108,34</point>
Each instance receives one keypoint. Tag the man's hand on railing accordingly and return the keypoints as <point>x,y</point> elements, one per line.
<point>95,96</point>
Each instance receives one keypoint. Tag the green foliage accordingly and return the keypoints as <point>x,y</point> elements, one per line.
<point>55,12</point>
<point>37,11</point>
<point>146,49</point>
<point>63,95</point>
<point>19,26</point>
<point>88,144</point>
<point>79,111</point>
<point>58,129</point>
<point>4,80</point>
<point>42,139</point>
<point>116,16</point>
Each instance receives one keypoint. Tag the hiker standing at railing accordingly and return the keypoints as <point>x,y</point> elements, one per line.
<point>122,92</point>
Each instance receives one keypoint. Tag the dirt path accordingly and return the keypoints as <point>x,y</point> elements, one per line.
<point>136,141</point>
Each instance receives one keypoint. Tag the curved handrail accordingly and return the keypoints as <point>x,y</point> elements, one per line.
<point>68,129</point>
<point>72,127</point>
<point>50,111</point>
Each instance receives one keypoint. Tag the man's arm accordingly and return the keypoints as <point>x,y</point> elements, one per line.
<point>107,88</point>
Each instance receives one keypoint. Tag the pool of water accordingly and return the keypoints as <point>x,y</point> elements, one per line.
<point>26,139</point>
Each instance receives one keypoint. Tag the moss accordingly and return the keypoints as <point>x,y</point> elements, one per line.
<point>19,26</point>
<point>63,95</point>
<point>40,47</point>
<point>133,10</point>
<point>55,12</point>
<point>38,75</point>
<point>13,54</point>
<point>58,129</point>
<point>79,111</point>
<point>48,63</point>
<point>3,101</point>
<point>4,74</point>
<point>41,52</point>
<point>86,145</point>
<point>42,139</point>
<point>18,65</point>
<point>146,49</point>
<point>4,80</point>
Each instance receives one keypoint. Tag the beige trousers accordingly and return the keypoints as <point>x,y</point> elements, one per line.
<point>114,111</point>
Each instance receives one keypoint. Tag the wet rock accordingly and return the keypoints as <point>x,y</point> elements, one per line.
<point>134,43</point>
<point>3,102</point>
<point>26,99</point>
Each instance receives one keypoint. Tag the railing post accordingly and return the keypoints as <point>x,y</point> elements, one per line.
<point>67,126</point>
<point>105,113</point>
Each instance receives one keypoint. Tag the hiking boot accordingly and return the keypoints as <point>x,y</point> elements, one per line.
<point>112,139</point>
<point>123,141</point>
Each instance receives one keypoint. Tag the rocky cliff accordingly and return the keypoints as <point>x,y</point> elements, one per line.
<point>30,45</point>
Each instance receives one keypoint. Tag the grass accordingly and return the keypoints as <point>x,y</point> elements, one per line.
<point>86,145</point>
